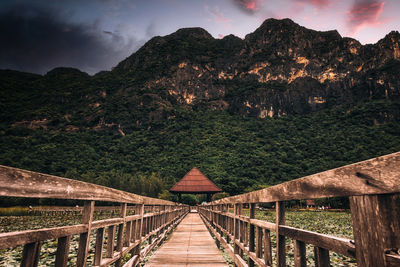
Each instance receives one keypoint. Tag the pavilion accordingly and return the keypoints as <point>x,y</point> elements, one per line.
<point>194,182</point>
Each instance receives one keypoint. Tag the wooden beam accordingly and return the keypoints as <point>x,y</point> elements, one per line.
<point>62,251</point>
<point>12,239</point>
<point>98,254</point>
<point>376,227</point>
<point>321,256</point>
<point>252,233</point>
<point>84,238</point>
<point>31,255</point>
<point>280,239</point>
<point>375,176</point>
<point>22,183</point>
<point>300,259</point>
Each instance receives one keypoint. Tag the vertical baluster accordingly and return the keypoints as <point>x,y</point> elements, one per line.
<point>280,239</point>
<point>110,241</point>
<point>98,254</point>
<point>300,259</point>
<point>259,242</point>
<point>252,208</point>
<point>120,236</point>
<point>31,254</point>
<point>84,238</point>
<point>62,251</point>
<point>267,247</point>
<point>128,233</point>
<point>321,256</point>
<point>236,229</point>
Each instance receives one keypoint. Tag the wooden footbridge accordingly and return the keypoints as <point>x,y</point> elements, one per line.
<point>373,188</point>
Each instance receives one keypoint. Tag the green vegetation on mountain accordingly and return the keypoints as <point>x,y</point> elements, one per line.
<point>236,152</point>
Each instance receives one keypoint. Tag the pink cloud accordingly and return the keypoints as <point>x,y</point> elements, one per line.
<point>249,6</point>
<point>364,13</point>
<point>316,3</point>
<point>221,36</point>
<point>218,16</point>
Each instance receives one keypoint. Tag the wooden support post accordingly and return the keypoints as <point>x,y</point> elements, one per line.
<point>321,256</point>
<point>236,228</point>
<point>300,259</point>
<point>280,239</point>
<point>376,227</point>
<point>259,242</point>
<point>31,255</point>
<point>62,251</point>
<point>251,233</point>
<point>120,237</point>
<point>98,254</point>
<point>267,247</point>
<point>84,238</point>
<point>110,241</point>
<point>140,227</point>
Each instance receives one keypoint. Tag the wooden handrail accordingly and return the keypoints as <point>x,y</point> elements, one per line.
<point>375,176</point>
<point>132,232</point>
<point>373,188</point>
<point>22,183</point>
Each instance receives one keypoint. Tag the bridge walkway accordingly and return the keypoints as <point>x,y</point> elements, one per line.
<point>189,245</point>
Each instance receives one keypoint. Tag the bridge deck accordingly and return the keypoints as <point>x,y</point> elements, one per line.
<point>189,245</point>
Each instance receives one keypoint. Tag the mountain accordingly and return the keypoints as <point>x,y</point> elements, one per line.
<point>281,68</point>
<point>283,102</point>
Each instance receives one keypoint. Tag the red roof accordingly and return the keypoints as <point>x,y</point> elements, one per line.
<point>195,182</point>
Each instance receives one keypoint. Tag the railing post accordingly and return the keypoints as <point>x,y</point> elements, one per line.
<point>120,237</point>
<point>236,228</point>
<point>280,239</point>
<point>84,238</point>
<point>376,227</point>
<point>62,251</point>
<point>252,207</point>
<point>31,254</point>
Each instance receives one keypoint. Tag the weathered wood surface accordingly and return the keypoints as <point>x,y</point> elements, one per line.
<point>189,245</point>
<point>376,227</point>
<point>22,183</point>
<point>375,176</point>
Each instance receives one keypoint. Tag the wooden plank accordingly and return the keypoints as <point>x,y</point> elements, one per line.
<point>12,239</point>
<point>98,254</point>
<point>22,183</point>
<point>251,233</point>
<point>375,176</point>
<point>62,251</point>
<point>267,247</point>
<point>300,259</point>
<point>189,245</point>
<point>340,245</point>
<point>84,238</point>
<point>321,256</point>
<point>280,239</point>
<point>376,227</point>
<point>259,242</point>
<point>110,241</point>
<point>31,255</point>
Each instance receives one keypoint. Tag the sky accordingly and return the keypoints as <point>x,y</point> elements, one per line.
<point>94,35</point>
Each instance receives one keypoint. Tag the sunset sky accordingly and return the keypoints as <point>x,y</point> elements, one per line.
<point>95,35</point>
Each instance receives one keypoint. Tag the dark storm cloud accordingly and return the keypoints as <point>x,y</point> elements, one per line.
<point>37,39</point>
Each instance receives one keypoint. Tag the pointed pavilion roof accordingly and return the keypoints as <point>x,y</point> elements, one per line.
<point>195,182</point>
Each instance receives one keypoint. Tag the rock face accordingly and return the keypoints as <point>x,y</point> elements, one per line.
<point>281,68</point>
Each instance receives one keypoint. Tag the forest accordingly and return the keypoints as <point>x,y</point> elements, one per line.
<point>238,153</point>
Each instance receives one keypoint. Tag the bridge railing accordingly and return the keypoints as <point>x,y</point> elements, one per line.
<point>134,235</point>
<point>373,188</point>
